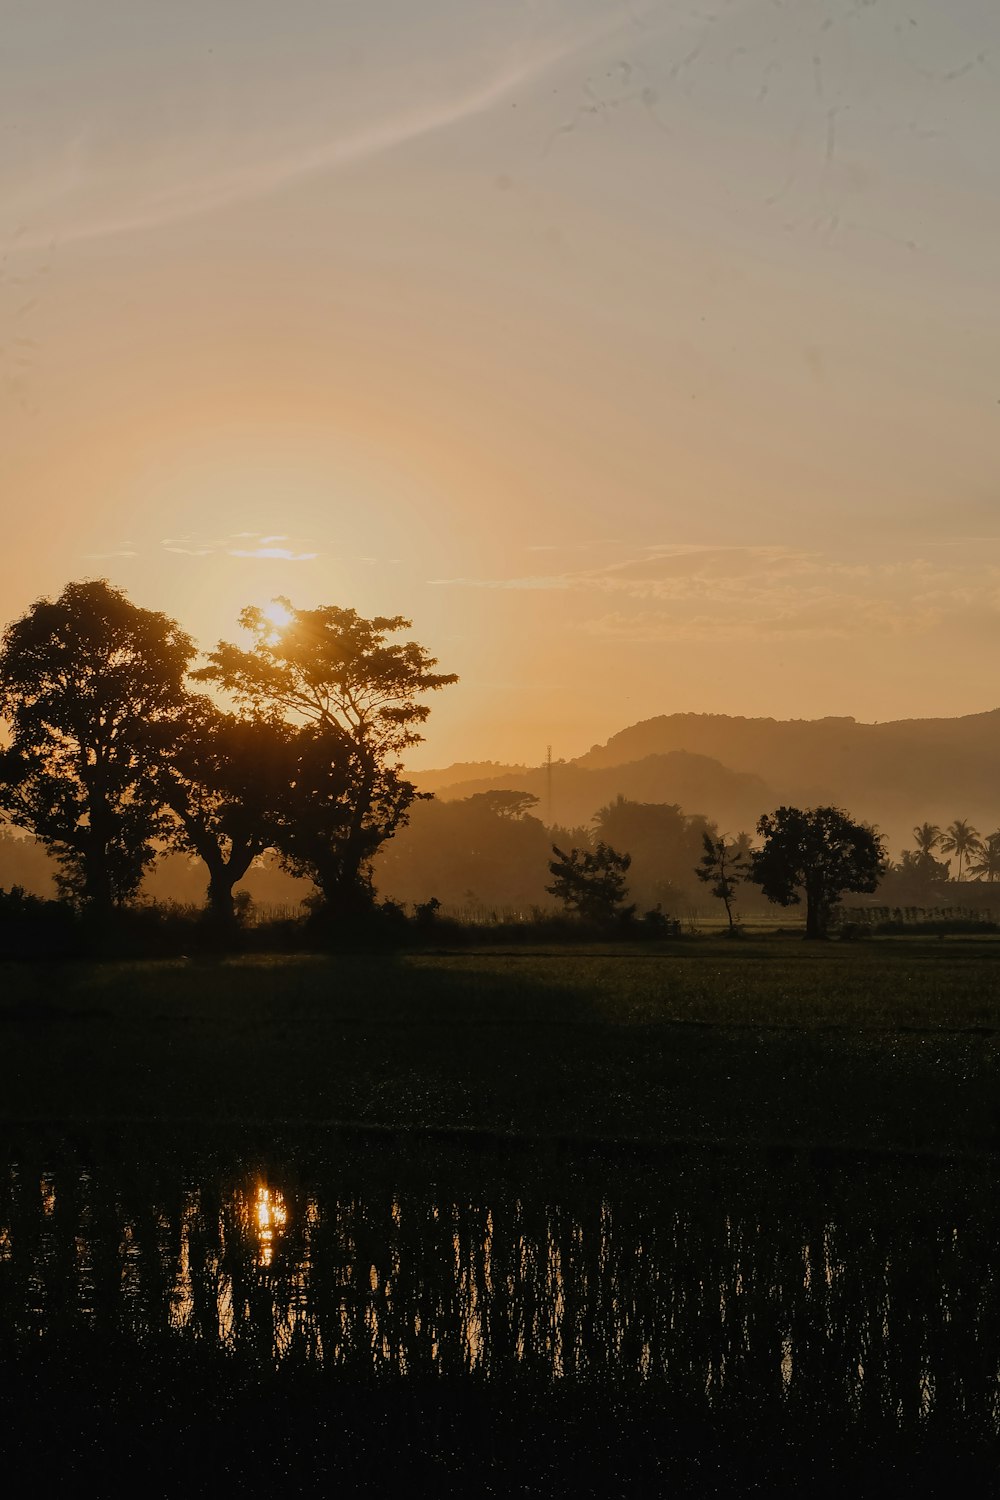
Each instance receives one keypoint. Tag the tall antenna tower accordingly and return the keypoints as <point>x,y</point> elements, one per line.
<point>548,782</point>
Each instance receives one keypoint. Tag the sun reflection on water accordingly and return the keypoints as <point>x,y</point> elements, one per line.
<point>271,1217</point>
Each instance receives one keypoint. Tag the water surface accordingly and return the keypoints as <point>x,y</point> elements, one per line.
<point>515,1310</point>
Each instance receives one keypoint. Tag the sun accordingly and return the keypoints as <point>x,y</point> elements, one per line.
<point>277,614</point>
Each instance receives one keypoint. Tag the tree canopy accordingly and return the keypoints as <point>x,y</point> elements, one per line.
<point>819,853</point>
<point>92,687</point>
<point>353,695</point>
<point>224,780</point>
<point>664,844</point>
<point>961,839</point>
<point>591,882</point>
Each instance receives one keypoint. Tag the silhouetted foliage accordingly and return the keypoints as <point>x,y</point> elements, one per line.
<point>471,853</point>
<point>664,844</point>
<point>511,806</point>
<point>986,865</point>
<point>332,817</point>
<point>722,867</point>
<point>31,927</point>
<point>819,851</point>
<point>224,778</point>
<point>591,882</point>
<point>357,693</point>
<point>92,687</point>
<point>915,878</point>
<point>961,839</point>
<point>927,837</point>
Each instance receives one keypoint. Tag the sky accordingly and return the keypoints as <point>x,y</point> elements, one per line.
<point>645,354</point>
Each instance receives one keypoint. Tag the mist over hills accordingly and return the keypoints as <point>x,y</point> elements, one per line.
<point>726,769</point>
<point>484,773</point>
<point>697,783</point>
<point>894,774</point>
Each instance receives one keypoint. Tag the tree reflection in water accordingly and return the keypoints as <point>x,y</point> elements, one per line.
<point>864,1294</point>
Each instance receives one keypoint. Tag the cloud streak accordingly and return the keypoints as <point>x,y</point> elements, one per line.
<point>769,593</point>
<point>257,178</point>
<point>283,554</point>
<point>256,545</point>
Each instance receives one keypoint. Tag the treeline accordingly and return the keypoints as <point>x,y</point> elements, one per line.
<point>118,762</point>
<point>114,754</point>
<point>490,853</point>
<point>485,858</point>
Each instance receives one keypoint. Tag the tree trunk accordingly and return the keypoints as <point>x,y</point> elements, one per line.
<point>97,885</point>
<point>220,898</point>
<point>817,915</point>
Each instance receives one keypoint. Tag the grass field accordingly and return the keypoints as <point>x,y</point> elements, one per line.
<point>883,1045</point>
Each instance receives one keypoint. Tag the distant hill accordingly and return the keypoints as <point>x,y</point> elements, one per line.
<point>696,782</point>
<point>895,774</point>
<point>492,773</point>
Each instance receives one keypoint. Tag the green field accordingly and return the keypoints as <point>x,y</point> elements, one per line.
<point>882,1045</point>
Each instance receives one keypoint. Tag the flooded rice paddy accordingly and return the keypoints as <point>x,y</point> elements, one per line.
<point>493,1312</point>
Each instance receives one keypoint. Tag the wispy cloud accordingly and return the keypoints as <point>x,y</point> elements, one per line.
<point>257,544</point>
<point>284,554</point>
<point>258,175</point>
<point>539,581</point>
<point>770,593</point>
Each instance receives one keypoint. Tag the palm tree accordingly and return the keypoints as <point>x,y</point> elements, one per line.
<point>927,836</point>
<point>962,839</point>
<point>988,863</point>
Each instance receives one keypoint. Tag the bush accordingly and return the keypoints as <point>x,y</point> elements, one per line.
<point>31,927</point>
<point>657,924</point>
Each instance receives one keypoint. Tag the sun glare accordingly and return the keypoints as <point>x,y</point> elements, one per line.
<point>277,615</point>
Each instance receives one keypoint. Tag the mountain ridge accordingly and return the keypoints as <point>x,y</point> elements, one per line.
<point>895,773</point>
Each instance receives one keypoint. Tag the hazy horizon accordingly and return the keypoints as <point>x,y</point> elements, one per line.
<point>643,354</point>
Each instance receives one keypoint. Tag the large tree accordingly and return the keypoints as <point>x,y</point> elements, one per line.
<point>353,694</point>
<point>92,687</point>
<point>225,780</point>
<point>819,853</point>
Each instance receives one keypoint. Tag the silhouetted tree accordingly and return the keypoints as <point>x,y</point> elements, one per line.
<point>503,804</point>
<point>913,880</point>
<point>318,832</point>
<point>224,779</point>
<point>357,694</point>
<point>987,862</point>
<point>926,836</point>
<point>469,851</point>
<point>92,687</point>
<point>664,842</point>
<point>819,851</point>
<point>723,866</point>
<point>591,882</point>
<point>962,839</point>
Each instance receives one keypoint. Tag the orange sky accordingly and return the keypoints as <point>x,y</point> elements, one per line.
<point>645,354</point>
